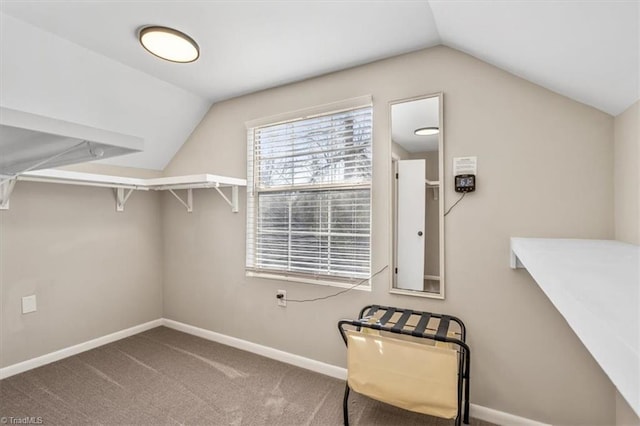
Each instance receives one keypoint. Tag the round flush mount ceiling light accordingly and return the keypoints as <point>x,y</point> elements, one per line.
<point>427,131</point>
<point>169,44</point>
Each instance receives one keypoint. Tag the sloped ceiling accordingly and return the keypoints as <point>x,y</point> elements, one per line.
<point>81,61</point>
<point>586,50</point>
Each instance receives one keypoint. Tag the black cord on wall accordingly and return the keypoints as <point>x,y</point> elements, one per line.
<point>454,204</point>
<point>338,293</point>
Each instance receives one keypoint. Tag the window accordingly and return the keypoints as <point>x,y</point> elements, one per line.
<point>309,197</point>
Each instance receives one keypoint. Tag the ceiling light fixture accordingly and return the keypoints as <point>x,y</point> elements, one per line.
<point>169,44</point>
<point>427,131</point>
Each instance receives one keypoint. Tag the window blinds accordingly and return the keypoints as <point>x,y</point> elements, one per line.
<point>309,196</point>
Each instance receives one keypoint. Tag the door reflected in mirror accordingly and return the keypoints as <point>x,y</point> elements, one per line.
<point>417,207</point>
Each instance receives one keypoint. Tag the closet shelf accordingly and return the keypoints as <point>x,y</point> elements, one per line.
<point>84,179</point>
<point>123,186</point>
<point>595,285</point>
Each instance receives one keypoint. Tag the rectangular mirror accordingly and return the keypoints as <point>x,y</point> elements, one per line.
<point>417,196</point>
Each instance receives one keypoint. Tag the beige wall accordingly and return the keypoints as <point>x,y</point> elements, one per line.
<point>627,206</point>
<point>625,416</point>
<point>627,175</point>
<point>532,147</point>
<point>399,151</point>
<point>94,271</point>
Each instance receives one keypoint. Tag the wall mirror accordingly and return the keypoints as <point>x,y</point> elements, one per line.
<point>417,196</point>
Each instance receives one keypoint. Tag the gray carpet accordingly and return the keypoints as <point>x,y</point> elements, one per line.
<point>163,376</point>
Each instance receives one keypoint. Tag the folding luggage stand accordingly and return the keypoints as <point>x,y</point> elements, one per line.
<point>420,325</point>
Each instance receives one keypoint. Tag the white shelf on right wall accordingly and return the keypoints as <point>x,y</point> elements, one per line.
<point>595,285</point>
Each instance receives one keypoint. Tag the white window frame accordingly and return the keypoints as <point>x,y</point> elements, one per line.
<point>327,109</point>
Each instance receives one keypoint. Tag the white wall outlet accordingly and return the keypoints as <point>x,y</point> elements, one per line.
<point>281,295</point>
<point>29,304</point>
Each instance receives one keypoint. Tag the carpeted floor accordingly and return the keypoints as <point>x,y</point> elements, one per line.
<point>163,376</point>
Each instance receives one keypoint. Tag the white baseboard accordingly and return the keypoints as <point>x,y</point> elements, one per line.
<point>500,417</point>
<point>32,363</point>
<point>266,351</point>
<point>477,411</point>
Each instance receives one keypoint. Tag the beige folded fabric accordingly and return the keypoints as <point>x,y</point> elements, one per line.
<point>413,376</point>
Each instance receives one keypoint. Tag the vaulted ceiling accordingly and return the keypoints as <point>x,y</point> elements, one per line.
<point>81,61</point>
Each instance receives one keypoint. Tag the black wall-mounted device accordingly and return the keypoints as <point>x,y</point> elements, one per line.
<point>465,183</point>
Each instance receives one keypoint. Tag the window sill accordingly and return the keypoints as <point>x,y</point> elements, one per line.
<point>364,286</point>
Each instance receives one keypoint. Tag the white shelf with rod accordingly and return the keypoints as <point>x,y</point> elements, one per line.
<point>595,285</point>
<point>432,277</point>
<point>434,185</point>
<point>124,186</point>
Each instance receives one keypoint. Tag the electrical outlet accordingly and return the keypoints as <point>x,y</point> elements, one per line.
<point>281,296</point>
<point>29,304</point>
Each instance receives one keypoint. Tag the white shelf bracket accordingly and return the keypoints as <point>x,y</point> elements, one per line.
<point>189,203</point>
<point>6,188</point>
<point>234,197</point>
<point>514,262</point>
<point>121,198</point>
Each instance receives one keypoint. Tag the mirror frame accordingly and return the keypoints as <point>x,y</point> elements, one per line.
<point>392,225</point>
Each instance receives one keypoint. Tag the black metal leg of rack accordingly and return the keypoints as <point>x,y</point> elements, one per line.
<point>459,415</point>
<point>345,406</point>
<point>460,379</point>
<point>466,385</point>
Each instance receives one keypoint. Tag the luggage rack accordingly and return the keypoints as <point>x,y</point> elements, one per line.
<point>419,325</point>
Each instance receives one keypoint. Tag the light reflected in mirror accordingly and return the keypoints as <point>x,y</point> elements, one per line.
<point>416,148</point>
